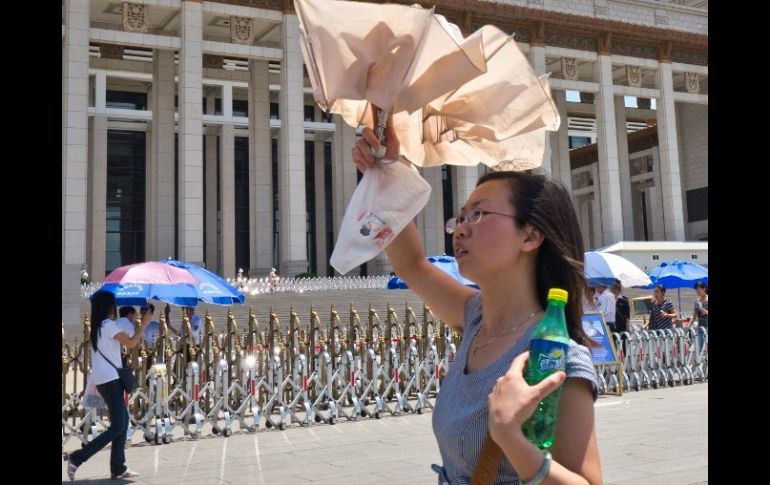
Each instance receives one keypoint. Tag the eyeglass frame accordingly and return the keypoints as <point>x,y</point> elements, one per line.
<point>462,219</point>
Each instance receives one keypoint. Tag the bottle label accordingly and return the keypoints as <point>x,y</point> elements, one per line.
<point>548,356</point>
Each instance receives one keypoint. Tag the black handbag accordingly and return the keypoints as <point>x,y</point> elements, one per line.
<point>125,374</point>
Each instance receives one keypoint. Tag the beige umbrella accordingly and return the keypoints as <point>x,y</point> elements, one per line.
<point>395,56</point>
<point>499,116</point>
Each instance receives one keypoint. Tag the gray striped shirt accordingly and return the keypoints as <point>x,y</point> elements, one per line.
<point>461,414</point>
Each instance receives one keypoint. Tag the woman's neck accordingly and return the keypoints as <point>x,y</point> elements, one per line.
<point>506,303</point>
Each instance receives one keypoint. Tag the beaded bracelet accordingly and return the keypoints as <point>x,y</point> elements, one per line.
<point>541,473</point>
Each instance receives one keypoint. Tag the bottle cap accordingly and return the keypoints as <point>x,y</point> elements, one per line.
<point>557,294</point>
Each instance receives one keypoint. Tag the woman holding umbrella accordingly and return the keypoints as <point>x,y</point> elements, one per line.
<point>516,237</point>
<point>106,339</point>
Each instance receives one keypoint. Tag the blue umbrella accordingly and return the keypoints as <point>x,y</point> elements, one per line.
<point>135,284</point>
<point>447,264</point>
<point>211,288</point>
<point>171,281</point>
<point>678,274</point>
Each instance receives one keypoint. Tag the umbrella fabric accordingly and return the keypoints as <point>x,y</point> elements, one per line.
<point>445,263</point>
<point>499,116</point>
<point>678,274</point>
<point>396,56</point>
<point>134,284</point>
<point>605,268</point>
<point>170,281</point>
<point>210,287</point>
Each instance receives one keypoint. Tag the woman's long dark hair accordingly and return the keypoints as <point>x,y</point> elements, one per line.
<point>546,205</point>
<point>102,308</point>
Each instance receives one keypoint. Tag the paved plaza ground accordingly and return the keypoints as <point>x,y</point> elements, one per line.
<point>652,436</point>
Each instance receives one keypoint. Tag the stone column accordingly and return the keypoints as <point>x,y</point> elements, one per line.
<point>97,197</point>
<point>624,169</point>
<point>668,146</point>
<point>260,171</point>
<point>609,179</point>
<point>560,143</point>
<point>191,133</point>
<point>537,60</point>
<point>291,178</point>
<point>160,167</point>
<point>464,183</point>
<point>344,175</point>
<point>74,153</point>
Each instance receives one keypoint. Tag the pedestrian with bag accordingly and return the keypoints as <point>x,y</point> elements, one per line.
<point>111,381</point>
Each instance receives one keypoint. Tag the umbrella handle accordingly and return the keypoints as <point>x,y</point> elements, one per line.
<point>382,123</point>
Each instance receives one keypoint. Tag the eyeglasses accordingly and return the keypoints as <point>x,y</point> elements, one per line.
<point>472,217</point>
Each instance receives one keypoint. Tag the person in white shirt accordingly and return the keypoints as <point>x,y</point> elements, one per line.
<point>107,335</point>
<point>153,328</point>
<point>196,323</point>
<point>606,302</point>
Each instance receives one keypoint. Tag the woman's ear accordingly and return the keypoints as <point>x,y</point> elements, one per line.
<point>533,238</point>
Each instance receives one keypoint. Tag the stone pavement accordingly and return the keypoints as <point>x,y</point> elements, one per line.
<point>653,436</point>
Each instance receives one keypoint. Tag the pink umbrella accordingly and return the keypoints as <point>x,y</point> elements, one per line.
<point>150,273</point>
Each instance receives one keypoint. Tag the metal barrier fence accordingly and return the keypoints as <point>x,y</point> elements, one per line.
<point>657,358</point>
<point>310,373</point>
<point>319,373</point>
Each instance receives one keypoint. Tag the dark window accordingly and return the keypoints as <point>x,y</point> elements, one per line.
<point>329,205</point>
<point>655,257</point>
<point>176,195</point>
<point>310,205</point>
<point>309,113</point>
<point>274,112</point>
<point>126,151</point>
<point>579,141</point>
<point>126,100</point>
<point>218,106</point>
<point>363,269</point>
<point>694,256</point>
<point>241,203</point>
<point>446,179</point>
<point>326,117</point>
<point>698,204</point>
<point>276,203</point>
<point>241,107</point>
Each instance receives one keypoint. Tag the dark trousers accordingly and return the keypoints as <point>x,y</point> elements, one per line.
<point>112,392</point>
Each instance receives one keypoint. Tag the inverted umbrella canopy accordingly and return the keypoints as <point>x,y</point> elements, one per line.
<point>678,274</point>
<point>445,263</point>
<point>500,116</point>
<point>398,57</point>
<point>210,287</point>
<point>135,284</point>
<point>605,268</point>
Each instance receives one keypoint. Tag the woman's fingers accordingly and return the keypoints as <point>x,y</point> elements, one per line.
<point>369,136</point>
<point>517,366</point>
<point>549,384</point>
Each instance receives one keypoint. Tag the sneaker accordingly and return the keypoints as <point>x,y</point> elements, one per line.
<point>71,469</point>
<point>129,473</point>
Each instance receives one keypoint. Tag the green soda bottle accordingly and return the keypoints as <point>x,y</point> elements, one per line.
<point>547,354</point>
